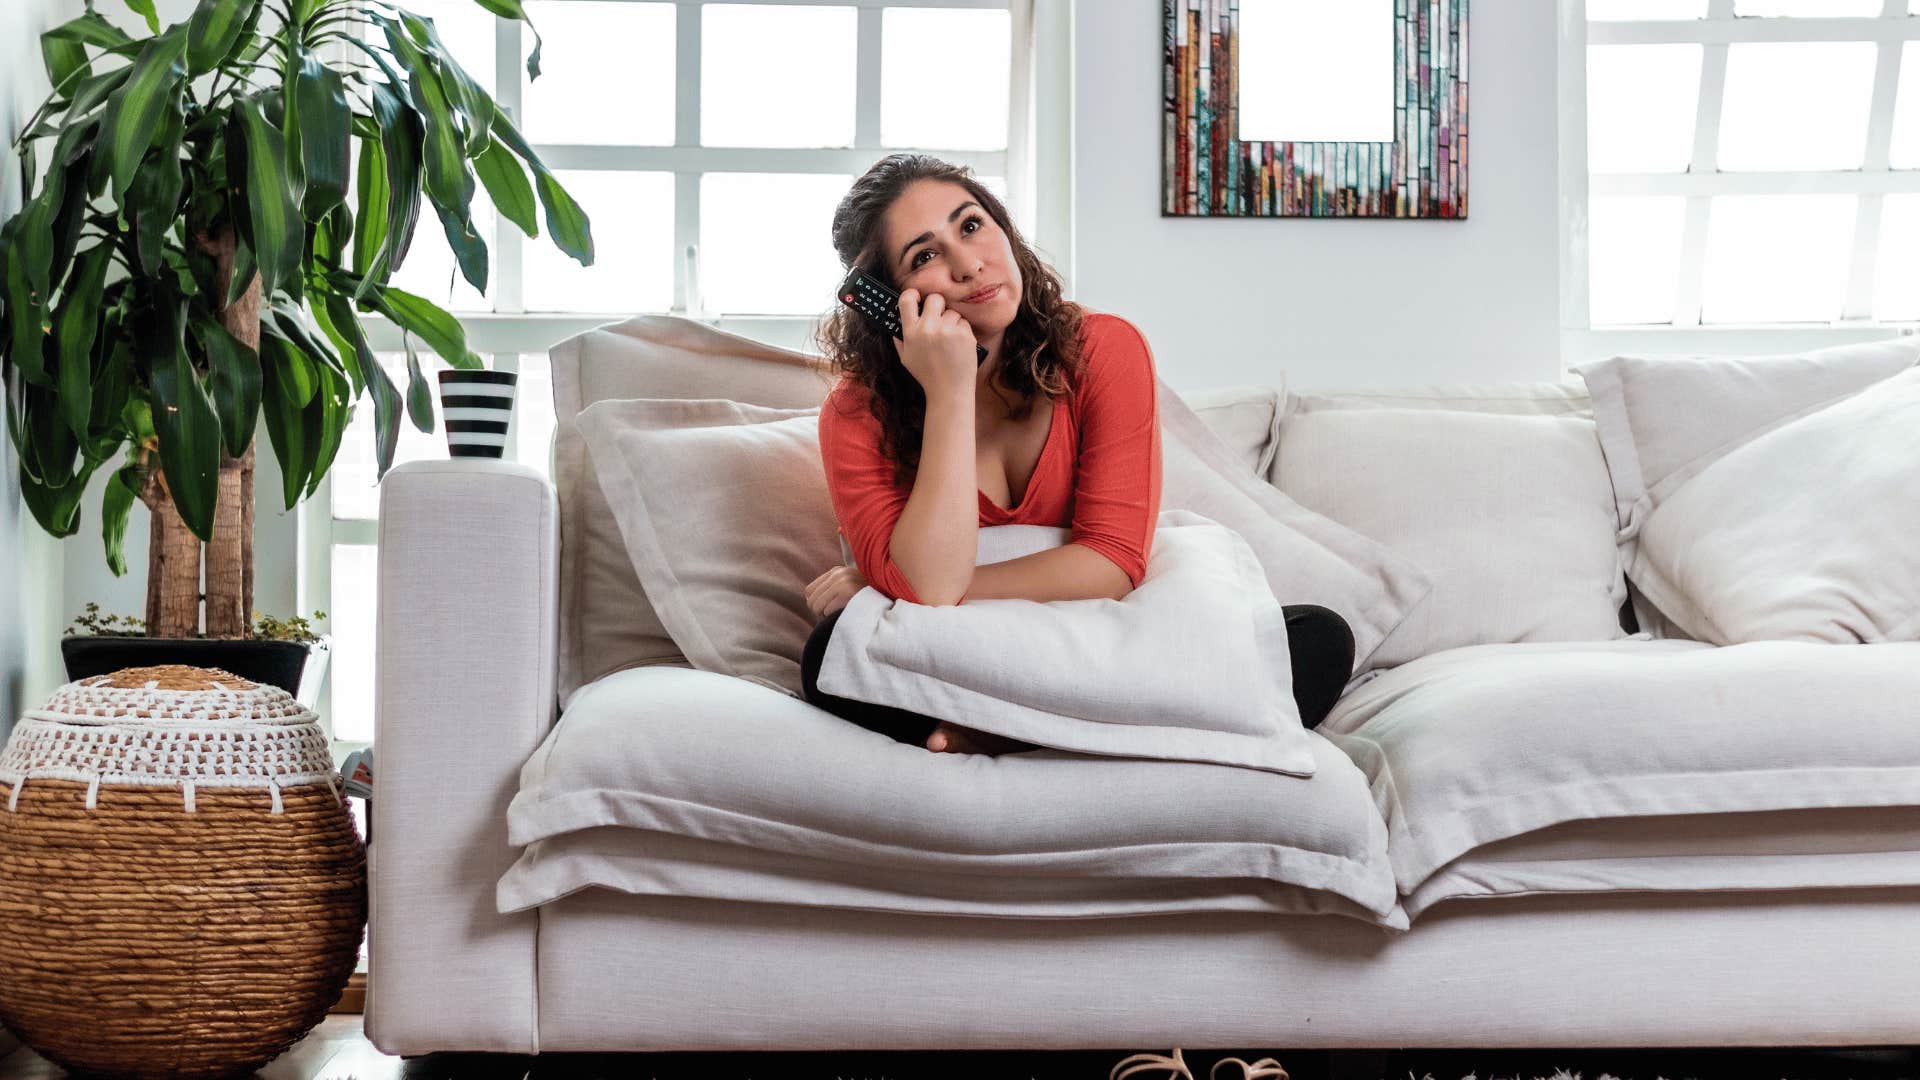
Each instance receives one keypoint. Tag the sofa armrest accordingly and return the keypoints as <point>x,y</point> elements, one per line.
<point>463,694</point>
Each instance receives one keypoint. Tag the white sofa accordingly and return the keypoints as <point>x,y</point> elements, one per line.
<point>1469,866</point>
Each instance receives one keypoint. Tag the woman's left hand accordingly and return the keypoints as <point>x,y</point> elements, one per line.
<point>830,591</point>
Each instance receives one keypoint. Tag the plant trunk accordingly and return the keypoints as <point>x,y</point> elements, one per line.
<point>173,565</point>
<point>174,555</point>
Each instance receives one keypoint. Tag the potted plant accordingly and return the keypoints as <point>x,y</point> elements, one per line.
<point>279,652</point>
<point>196,260</point>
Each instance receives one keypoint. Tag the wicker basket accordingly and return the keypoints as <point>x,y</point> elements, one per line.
<point>182,890</point>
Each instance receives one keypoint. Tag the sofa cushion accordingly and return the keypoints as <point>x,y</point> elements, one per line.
<point>1510,515</point>
<point>1754,851</point>
<point>716,758</point>
<point>1471,746</point>
<point>607,622</point>
<point>1805,533</point>
<point>1662,419</point>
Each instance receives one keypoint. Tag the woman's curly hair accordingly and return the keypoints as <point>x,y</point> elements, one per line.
<point>1040,351</point>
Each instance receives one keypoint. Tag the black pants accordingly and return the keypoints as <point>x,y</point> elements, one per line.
<point>1318,640</point>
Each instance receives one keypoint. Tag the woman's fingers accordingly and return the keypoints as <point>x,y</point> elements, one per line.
<point>909,308</point>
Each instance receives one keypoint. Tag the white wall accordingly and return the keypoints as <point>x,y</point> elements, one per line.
<point>1331,302</point>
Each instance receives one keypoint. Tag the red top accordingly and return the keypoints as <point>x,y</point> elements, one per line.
<point>1099,471</point>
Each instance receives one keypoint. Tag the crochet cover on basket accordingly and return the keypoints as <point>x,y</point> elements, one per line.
<point>154,933</point>
<point>169,726</point>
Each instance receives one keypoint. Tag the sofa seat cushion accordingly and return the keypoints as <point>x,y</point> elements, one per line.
<point>1813,848</point>
<point>682,753</point>
<point>1472,746</point>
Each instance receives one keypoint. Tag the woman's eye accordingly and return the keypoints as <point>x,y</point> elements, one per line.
<point>963,228</point>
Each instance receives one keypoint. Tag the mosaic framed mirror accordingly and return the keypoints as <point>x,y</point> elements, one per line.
<point>1314,108</point>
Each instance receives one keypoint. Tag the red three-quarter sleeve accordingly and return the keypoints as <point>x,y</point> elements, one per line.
<point>860,482</point>
<point>1116,497</point>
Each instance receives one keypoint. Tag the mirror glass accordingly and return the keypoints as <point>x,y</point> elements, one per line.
<point>1316,71</point>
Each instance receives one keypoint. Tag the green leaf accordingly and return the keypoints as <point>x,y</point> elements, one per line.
<point>133,112</point>
<point>400,138</point>
<point>279,236</point>
<point>112,386</point>
<point>155,194</point>
<point>475,107</point>
<point>331,411</point>
<point>322,304</point>
<point>188,429</point>
<point>56,508</point>
<point>64,57</point>
<point>506,184</point>
<point>469,248</point>
<point>115,504</point>
<point>94,90</point>
<point>48,446</point>
<point>370,228</point>
<point>145,7</point>
<point>386,397</point>
<point>26,311</point>
<point>233,377</point>
<point>91,29</point>
<point>441,331</point>
<point>449,184</point>
<point>214,29</point>
<point>566,221</point>
<point>286,426</point>
<point>419,393</point>
<point>75,324</point>
<point>325,128</point>
<point>243,270</point>
<point>289,323</point>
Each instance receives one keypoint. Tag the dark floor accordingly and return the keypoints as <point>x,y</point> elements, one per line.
<point>337,1050</point>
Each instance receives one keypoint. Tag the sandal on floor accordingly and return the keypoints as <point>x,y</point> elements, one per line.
<point>1265,1069</point>
<point>1175,1064</point>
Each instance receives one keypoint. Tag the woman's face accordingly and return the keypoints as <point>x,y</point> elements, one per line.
<point>940,240</point>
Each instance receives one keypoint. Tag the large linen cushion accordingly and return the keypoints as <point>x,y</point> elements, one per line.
<point>607,621</point>
<point>1475,745</point>
<point>1752,851</point>
<point>1663,419</point>
<point>666,752</point>
<point>1510,515</point>
<point>1191,665</point>
<point>1806,533</point>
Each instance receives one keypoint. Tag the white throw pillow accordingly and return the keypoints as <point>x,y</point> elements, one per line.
<point>1510,515</point>
<point>1806,533</point>
<point>1191,665</point>
<point>1663,419</point>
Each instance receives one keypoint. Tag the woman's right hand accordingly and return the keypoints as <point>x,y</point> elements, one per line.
<point>937,345</point>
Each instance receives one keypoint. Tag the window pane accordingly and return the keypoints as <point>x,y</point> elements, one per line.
<point>1896,291</point>
<point>350,614</point>
<point>918,102</point>
<point>779,76</point>
<point>1826,9</point>
<point>355,492</point>
<point>765,247</point>
<point>1906,109</point>
<point>1605,10</point>
<point>533,413</point>
<point>1641,103</point>
<point>1634,246</point>
<point>606,73</point>
<point>1796,105</point>
<point>1777,258</point>
<point>429,269</point>
<point>632,219</point>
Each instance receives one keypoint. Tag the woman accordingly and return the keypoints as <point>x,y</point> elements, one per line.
<point>923,445</point>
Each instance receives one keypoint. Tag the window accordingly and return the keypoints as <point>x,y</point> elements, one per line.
<point>710,197</point>
<point>1748,163</point>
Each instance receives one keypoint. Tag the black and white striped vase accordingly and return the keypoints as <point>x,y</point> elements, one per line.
<point>477,406</point>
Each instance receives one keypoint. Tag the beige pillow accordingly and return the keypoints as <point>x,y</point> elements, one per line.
<point>1511,516</point>
<point>1806,533</point>
<point>1245,417</point>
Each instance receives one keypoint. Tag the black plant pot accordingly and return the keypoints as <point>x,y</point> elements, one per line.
<point>276,663</point>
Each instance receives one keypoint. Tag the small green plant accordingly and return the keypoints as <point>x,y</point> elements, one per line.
<point>91,624</point>
<point>265,627</point>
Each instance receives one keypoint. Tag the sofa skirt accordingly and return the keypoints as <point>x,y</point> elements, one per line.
<point>1826,968</point>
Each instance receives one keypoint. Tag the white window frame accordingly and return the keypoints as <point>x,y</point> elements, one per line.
<point>1039,126</point>
<point>1580,340</point>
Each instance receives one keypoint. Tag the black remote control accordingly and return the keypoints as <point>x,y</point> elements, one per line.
<point>870,296</point>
